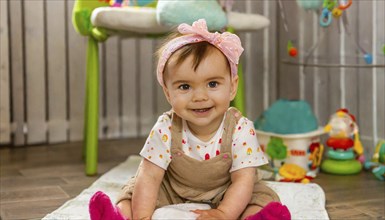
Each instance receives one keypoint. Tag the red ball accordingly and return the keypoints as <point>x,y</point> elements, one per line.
<point>293,51</point>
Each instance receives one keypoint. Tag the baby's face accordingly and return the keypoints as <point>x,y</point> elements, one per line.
<point>200,97</point>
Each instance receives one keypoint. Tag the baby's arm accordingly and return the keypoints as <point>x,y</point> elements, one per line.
<point>146,190</point>
<point>239,193</point>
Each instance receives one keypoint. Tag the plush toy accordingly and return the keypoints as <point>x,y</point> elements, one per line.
<point>377,164</point>
<point>345,153</point>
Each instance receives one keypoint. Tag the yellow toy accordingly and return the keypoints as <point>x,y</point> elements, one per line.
<point>292,173</point>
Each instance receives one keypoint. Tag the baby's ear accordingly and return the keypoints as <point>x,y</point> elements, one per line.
<point>234,86</point>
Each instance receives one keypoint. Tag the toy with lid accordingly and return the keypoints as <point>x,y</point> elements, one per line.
<point>288,131</point>
<point>345,154</point>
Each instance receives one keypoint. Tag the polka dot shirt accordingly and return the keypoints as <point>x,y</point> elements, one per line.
<point>245,149</point>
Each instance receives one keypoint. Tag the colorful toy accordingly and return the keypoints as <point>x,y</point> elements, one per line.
<point>377,164</point>
<point>292,173</point>
<point>345,154</point>
<point>332,7</point>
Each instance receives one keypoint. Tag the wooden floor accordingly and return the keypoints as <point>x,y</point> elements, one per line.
<point>37,180</point>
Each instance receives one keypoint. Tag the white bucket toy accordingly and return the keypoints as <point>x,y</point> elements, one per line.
<point>304,150</point>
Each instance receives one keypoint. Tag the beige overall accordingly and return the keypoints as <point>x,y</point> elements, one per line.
<point>189,180</point>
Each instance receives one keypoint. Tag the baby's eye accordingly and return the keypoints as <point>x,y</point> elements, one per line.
<point>213,84</point>
<point>184,87</point>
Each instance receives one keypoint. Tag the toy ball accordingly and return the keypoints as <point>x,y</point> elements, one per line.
<point>293,52</point>
<point>310,4</point>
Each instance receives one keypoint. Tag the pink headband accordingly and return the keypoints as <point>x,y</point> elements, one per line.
<point>228,43</point>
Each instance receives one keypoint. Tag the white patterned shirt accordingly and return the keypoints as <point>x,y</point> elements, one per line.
<point>245,149</point>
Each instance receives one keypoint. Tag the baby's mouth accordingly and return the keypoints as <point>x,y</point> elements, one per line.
<point>201,110</point>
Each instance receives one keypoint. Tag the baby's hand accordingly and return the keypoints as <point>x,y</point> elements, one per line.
<point>210,214</point>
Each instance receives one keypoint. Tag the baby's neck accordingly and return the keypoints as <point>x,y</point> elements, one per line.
<point>204,134</point>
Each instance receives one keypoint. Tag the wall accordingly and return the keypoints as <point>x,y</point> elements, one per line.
<point>43,71</point>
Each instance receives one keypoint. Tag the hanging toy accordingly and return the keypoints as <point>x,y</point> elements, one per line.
<point>291,50</point>
<point>332,8</point>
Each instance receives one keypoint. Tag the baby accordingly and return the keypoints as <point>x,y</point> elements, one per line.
<point>203,150</point>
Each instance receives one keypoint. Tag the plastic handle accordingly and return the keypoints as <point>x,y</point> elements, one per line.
<point>325,18</point>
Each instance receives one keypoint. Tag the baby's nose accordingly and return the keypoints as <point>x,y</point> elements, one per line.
<point>200,94</point>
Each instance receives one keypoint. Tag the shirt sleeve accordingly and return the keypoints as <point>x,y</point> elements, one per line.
<point>246,151</point>
<point>158,144</point>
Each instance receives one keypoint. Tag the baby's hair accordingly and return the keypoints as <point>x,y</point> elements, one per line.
<point>199,51</point>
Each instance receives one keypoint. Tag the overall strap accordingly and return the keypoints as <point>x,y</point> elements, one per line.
<point>176,133</point>
<point>231,120</point>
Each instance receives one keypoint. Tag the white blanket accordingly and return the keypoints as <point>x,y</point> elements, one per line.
<point>305,201</point>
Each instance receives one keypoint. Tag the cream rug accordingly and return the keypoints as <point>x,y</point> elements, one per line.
<point>305,201</point>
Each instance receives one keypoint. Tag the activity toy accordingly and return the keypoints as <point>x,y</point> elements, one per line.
<point>345,152</point>
<point>289,133</point>
<point>287,117</point>
<point>377,163</point>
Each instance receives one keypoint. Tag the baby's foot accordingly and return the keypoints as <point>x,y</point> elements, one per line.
<point>272,211</point>
<point>101,208</point>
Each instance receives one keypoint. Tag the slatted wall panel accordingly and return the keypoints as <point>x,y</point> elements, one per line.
<point>43,71</point>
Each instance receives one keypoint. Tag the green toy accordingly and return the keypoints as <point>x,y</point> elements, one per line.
<point>341,167</point>
<point>276,149</point>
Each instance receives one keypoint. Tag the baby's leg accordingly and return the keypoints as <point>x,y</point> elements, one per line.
<point>125,208</point>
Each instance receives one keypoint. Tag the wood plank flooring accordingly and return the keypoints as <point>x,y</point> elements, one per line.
<point>36,180</point>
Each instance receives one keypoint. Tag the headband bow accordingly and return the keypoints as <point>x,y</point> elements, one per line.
<point>229,44</point>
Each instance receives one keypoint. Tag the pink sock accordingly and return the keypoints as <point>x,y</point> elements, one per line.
<point>101,208</point>
<point>273,211</point>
